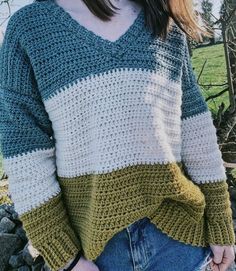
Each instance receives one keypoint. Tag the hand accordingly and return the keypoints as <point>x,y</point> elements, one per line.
<point>83,265</point>
<point>223,257</point>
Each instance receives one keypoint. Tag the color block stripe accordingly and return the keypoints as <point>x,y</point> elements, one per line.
<point>193,103</point>
<point>115,119</point>
<point>100,205</point>
<point>161,192</point>
<point>200,151</point>
<point>32,179</point>
<point>25,126</point>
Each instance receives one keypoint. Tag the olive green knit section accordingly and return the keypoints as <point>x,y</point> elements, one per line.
<point>218,213</point>
<point>101,205</point>
<point>95,207</point>
<point>48,229</point>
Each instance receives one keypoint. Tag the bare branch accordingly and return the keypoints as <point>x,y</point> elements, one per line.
<point>217,94</point>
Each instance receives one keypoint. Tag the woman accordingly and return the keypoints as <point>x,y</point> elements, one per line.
<point>108,144</point>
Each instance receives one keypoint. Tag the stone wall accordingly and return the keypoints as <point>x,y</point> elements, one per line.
<point>16,252</point>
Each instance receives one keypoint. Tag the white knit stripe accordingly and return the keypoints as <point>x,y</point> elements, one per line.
<point>115,119</point>
<point>32,179</point>
<point>200,150</point>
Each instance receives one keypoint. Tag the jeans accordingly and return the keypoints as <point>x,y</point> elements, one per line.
<point>143,247</point>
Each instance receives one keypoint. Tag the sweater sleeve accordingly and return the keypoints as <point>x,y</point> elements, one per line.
<point>28,151</point>
<point>202,158</point>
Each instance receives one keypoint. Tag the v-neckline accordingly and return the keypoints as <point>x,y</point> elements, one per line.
<point>116,48</point>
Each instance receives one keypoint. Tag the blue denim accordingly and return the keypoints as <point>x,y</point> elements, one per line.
<point>141,246</point>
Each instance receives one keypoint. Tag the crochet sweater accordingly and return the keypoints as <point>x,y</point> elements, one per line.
<point>96,134</point>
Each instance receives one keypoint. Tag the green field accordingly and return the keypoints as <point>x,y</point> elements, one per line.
<point>214,73</point>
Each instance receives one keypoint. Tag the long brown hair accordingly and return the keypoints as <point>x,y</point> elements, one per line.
<point>158,16</point>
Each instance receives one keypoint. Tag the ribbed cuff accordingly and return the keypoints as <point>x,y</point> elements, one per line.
<point>221,232</point>
<point>60,248</point>
<point>49,230</point>
<point>219,221</point>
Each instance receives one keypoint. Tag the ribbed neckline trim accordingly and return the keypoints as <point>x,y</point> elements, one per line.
<point>116,48</point>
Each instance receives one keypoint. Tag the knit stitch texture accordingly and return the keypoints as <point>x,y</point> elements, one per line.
<point>97,134</point>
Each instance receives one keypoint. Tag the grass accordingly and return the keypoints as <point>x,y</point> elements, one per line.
<point>213,73</point>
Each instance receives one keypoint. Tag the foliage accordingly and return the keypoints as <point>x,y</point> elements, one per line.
<point>207,6</point>
<point>233,173</point>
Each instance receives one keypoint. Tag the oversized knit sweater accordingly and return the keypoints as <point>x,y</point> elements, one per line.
<point>96,134</point>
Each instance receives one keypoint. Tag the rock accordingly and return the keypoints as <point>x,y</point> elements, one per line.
<point>30,254</point>
<point>3,206</point>
<point>37,267</point>
<point>24,268</point>
<point>233,210</point>
<point>22,234</point>
<point>9,244</point>
<point>6,225</point>
<point>3,213</point>
<point>45,268</point>
<point>9,208</point>
<point>15,216</point>
<point>16,260</point>
<point>232,192</point>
